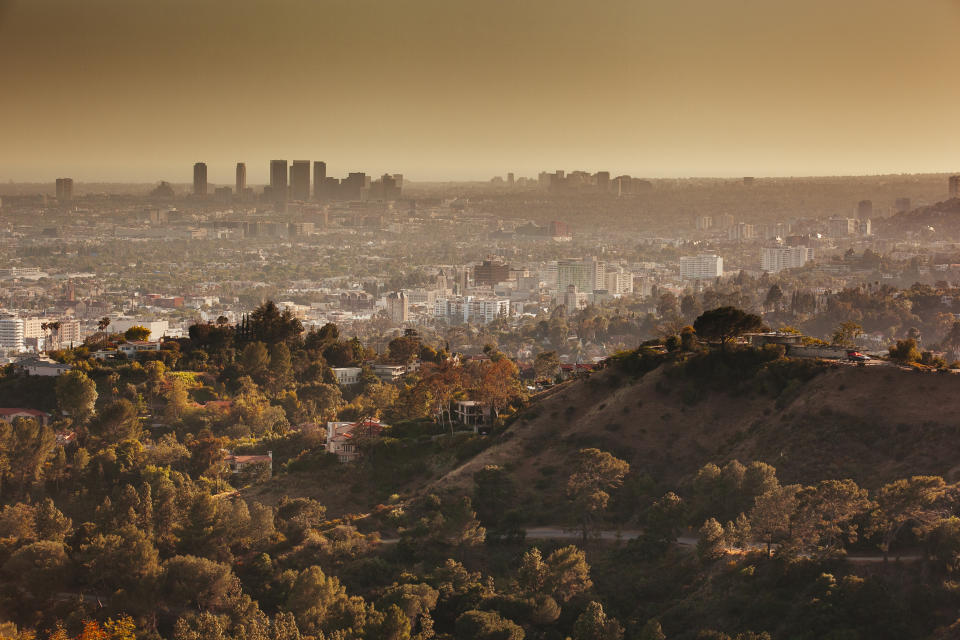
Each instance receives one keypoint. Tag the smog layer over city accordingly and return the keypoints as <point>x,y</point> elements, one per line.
<point>422,320</point>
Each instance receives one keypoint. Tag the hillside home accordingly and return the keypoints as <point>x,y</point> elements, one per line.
<point>342,437</point>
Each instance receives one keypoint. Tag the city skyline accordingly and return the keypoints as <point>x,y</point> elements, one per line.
<point>693,88</point>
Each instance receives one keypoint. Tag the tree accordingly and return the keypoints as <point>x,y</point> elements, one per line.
<point>774,297</point>
<point>29,445</point>
<point>255,360</point>
<point>918,501</point>
<point>76,395</point>
<point>532,574</point>
<point>771,514</point>
<point>710,545</point>
<point>826,515</point>
<point>568,574</point>
<point>652,631</point>
<point>200,582</point>
<point>493,494</point>
<point>177,399</point>
<point>319,602</point>
<point>595,472</point>
<point>136,333</point>
<point>546,364</point>
<point>486,625</point>
<point>269,325</point>
<point>51,523</point>
<point>726,323</point>
<point>403,349</point>
<point>846,333</point>
<point>498,383</point>
<point>905,351</point>
<point>42,567</point>
<point>593,624</point>
<point>116,422</point>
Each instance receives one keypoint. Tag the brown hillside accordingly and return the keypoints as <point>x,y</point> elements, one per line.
<point>872,424</point>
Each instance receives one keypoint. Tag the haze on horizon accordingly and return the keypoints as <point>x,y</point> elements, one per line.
<point>135,91</point>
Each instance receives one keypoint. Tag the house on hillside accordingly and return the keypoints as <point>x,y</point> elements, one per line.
<point>342,437</point>
<point>42,366</point>
<point>473,413</point>
<point>11,414</point>
<point>239,463</point>
<point>131,349</point>
<point>347,376</point>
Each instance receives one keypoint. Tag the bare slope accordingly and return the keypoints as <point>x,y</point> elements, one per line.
<point>871,424</point>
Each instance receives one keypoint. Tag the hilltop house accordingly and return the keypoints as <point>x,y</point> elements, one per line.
<point>11,414</point>
<point>238,463</point>
<point>342,437</point>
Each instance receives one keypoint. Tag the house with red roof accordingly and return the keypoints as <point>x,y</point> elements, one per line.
<point>11,414</point>
<point>342,437</point>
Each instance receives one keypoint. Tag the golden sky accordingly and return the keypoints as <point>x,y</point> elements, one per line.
<point>139,90</point>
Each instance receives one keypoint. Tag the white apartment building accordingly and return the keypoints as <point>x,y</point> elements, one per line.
<point>11,333</point>
<point>158,328</point>
<point>701,267</point>
<point>776,259</point>
<point>477,309</point>
<point>619,282</point>
<point>347,376</point>
<point>586,275</point>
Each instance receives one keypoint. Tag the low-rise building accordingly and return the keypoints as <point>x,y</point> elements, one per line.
<point>42,366</point>
<point>473,413</point>
<point>347,376</point>
<point>342,437</point>
<point>10,414</point>
<point>239,463</point>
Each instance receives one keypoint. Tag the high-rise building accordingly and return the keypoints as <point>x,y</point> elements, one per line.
<point>954,183</point>
<point>398,307</point>
<point>701,267</point>
<point>278,180</point>
<point>64,189</point>
<point>776,259</point>
<point>200,179</point>
<point>319,179</point>
<point>300,180</point>
<point>490,273</point>
<point>865,209</point>
<point>11,332</point>
<point>241,178</point>
<point>585,275</point>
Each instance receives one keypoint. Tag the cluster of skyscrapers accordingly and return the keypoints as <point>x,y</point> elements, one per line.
<point>292,181</point>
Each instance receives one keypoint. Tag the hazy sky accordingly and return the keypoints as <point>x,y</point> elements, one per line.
<point>140,89</point>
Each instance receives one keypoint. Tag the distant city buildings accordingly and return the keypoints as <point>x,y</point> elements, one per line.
<point>701,267</point>
<point>475,309</point>
<point>776,259</point>
<point>241,185</point>
<point>954,186</point>
<point>300,180</point>
<point>278,180</point>
<point>398,307</point>
<point>64,189</point>
<point>200,179</point>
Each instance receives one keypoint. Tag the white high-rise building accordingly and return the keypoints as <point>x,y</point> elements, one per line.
<point>477,309</point>
<point>586,275</point>
<point>619,282</point>
<point>776,259</point>
<point>701,267</point>
<point>11,332</point>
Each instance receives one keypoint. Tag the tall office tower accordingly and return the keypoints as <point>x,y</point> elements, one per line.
<point>200,179</point>
<point>241,178</point>
<point>510,180</point>
<point>954,186</point>
<point>865,209</point>
<point>300,180</point>
<point>603,181</point>
<point>278,180</point>
<point>319,177</point>
<point>64,189</point>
